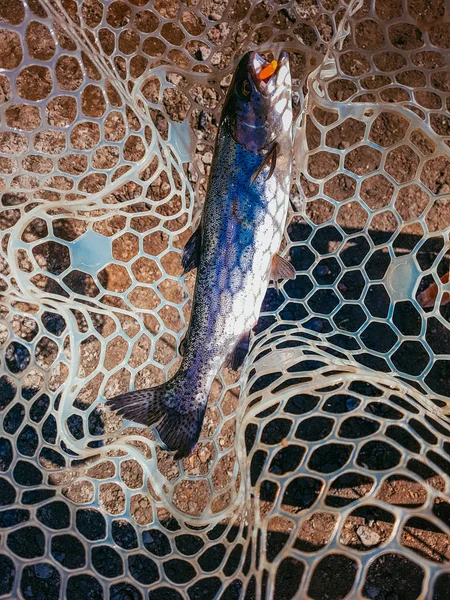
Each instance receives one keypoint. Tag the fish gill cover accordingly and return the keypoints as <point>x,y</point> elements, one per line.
<point>323,470</point>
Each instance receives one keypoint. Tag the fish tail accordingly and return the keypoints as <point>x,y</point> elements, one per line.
<point>175,407</point>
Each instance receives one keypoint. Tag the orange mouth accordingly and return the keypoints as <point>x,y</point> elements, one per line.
<point>268,71</point>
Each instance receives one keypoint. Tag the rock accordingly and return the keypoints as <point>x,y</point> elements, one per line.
<point>367,536</point>
<point>204,454</point>
<point>43,570</point>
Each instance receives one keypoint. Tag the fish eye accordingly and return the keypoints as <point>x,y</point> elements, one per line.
<point>246,88</point>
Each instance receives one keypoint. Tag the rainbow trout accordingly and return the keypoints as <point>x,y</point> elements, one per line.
<point>235,249</point>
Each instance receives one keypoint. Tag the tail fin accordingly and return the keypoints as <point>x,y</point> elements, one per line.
<point>176,408</point>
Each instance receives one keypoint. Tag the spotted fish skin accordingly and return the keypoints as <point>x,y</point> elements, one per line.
<point>240,232</point>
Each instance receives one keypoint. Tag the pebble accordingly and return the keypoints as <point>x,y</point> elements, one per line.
<point>43,571</point>
<point>203,120</point>
<point>316,325</point>
<point>207,158</point>
<point>352,403</point>
<point>323,270</point>
<point>204,454</point>
<point>367,536</point>
<point>203,53</point>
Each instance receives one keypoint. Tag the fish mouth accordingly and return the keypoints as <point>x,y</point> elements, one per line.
<point>276,80</point>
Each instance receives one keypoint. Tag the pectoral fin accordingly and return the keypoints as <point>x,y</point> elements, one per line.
<point>236,358</point>
<point>270,157</point>
<point>191,253</point>
<point>281,269</point>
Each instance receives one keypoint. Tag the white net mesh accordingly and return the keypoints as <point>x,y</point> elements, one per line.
<point>323,471</point>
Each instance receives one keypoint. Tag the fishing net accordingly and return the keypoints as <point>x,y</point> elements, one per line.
<point>323,469</point>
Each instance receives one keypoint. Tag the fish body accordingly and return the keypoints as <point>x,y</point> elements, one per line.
<point>233,249</point>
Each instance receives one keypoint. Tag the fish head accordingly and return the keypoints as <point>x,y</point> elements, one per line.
<point>259,111</point>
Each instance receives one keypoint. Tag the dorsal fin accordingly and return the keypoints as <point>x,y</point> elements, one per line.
<point>191,253</point>
<point>281,269</point>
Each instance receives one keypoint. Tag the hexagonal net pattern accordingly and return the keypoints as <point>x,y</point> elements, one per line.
<point>323,469</point>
